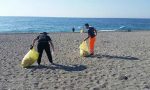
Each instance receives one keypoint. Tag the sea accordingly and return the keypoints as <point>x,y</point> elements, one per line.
<point>14,24</point>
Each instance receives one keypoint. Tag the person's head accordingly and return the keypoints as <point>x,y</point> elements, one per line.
<point>87,26</point>
<point>45,33</point>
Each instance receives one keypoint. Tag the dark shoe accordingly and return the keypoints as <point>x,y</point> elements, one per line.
<point>92,54</point>
<point>52,63</point>
<point>39,64</point>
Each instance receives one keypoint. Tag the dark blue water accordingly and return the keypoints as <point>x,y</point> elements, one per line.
<point>49,24</point>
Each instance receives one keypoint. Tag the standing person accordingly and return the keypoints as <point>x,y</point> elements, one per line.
<point>92,37</point>
<point>73,29</point>
<point>44,43</point>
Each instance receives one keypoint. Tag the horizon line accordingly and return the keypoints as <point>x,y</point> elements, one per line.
<point>77,17</point>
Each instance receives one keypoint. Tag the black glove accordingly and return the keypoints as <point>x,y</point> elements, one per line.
<point>31,46</point>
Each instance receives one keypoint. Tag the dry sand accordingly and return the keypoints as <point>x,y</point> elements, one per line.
<point>121,62</point>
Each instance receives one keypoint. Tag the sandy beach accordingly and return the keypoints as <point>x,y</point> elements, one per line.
<point>121,62</point>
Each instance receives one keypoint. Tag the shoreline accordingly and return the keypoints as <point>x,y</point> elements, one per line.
<point>99,31</point>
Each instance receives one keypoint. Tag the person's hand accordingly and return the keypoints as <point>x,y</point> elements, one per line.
<point>84,40</point>
<point>52,52</point>
<point>31,46</point>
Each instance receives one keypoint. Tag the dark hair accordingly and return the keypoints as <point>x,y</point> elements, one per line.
<point>86,24</point>
<point>44,33</point>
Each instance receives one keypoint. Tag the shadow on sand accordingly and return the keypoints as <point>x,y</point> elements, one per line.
<point>114,57</point>
<point>59,66</point>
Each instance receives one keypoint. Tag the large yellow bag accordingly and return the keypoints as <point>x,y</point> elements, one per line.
<point>84,51</point>
<point>30,58</point>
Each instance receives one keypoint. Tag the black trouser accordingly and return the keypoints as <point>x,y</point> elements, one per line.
<point>46,47</point>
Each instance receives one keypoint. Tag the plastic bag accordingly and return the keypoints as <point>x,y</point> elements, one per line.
<point>81,31</point>
<point>30,58</point>
<point>84,51</point>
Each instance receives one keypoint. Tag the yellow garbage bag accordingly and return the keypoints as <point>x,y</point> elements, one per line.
<point>30,58</point>
<point>81,31</point>
<point>84,51</point>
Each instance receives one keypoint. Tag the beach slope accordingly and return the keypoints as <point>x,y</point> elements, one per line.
<point>121,62</point>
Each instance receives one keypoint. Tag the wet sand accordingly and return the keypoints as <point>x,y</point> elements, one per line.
<point>121,62</point>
